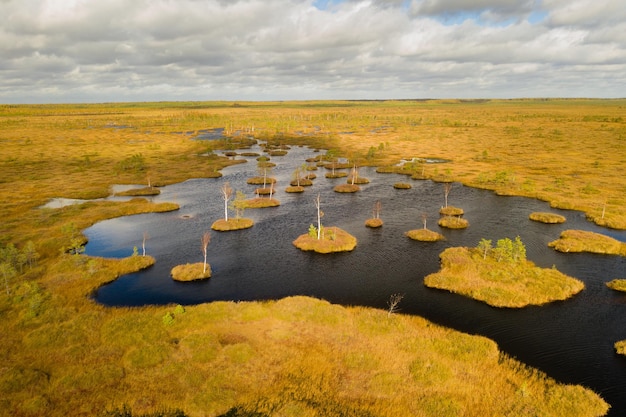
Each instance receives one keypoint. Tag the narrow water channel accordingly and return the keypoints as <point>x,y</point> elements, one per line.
<point>572,341</point>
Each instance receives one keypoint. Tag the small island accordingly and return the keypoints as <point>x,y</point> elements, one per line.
<point>402,186</point>
<point>453,222</point>
<point>238,223</point>
<point>374,222</point>
<point>547,218</point>
<point>191,272</point>
<point>617,285</point>
<point>451,211</point>
<point>584,241</point>
<point>294,189</point>
<point>501,276</point>
<point>331,239</point>
<point>346,188</point>
<point>424,235</point>
<point>139,192</point>
<point>322,239</point>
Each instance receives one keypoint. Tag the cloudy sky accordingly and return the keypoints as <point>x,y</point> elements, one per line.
<point>151,50</point>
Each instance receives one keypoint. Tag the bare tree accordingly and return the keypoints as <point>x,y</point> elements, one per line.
<point>377,209</point>
<point>394,301</point>
<point>319,217</point>
<point>143,243</point>
<point>424,219</point>
<point>354,173</point>
<point>206,239</point>
<point>447,186</point>
<point>227,193</point>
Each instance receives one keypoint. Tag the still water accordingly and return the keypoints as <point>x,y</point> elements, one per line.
<point>572,341</point>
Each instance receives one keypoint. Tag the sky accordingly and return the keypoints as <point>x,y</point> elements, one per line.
<point>85,51</point>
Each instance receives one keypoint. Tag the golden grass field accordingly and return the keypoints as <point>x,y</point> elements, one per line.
<point>62,354</point>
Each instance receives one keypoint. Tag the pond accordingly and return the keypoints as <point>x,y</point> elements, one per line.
<point>572,341</point>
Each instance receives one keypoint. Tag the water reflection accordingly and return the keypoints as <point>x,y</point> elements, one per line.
<point>572,341</point>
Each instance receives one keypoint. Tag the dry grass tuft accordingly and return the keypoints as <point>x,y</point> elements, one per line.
<point>374,222</point>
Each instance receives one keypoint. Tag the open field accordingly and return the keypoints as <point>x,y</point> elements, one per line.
<point>63,354</point>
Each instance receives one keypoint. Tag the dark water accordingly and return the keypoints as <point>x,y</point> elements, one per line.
<point>572,341</point>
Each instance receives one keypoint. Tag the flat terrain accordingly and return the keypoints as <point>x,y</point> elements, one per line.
<point>64,354</point>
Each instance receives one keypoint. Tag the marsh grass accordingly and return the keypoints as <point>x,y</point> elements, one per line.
<point>468,272</point>
<point>585,241</point>
<point>548,218</point>
<point>191,272</point>
<point>139,192</point>
<point>63,354</point>
<point>333,240</point>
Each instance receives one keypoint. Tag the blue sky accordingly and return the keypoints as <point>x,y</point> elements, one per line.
<point>92,51</point>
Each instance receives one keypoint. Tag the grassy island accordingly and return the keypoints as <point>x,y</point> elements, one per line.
<point>453,222</point>
<point>260,202</point>
<point>487,276</point>
<point>238,223</point>
<point>336,174</point>
<point>424,235</point>
<point>374,222</point>
<point>261,180</point>
<point>584,241</point>
<point>617,285</point>
<point>332,239</point>
<point>191,272</point>
<point>451,211</point>
<point>402,186</point>
<point>548,218</point>
<point>294,189</point>
<point>346,188</point>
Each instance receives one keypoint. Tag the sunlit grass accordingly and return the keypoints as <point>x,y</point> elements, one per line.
<point>585,241</point>
<point>63,354</point>
<point>500,283</point>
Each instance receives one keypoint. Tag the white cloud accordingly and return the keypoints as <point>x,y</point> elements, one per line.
<point>90,50</point>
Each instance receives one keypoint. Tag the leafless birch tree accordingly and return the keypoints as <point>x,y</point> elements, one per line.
<point>227,193</point>
<point>206,238</point>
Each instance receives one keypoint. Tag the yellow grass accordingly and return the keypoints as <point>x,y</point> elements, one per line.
<point>237,223</point>
<point>63,354</point>
<point>453,222</point>
<point>260,202</point>
<point>402,186</point>
<point>451,211</point>
<point>617,285</point>
<point>374,222</point>
<point>346,188</point>
<point>584,241</point>
<point>333,239</point>
<point>500,284</point>
<point>548,218</point>
<point>424,235</point>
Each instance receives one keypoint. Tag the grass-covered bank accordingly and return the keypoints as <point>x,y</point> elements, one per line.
<point>63,354</point>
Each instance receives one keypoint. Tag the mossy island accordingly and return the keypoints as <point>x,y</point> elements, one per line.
<point>501,276</point>
<point>294,189</point>
<point>191,272</point>
<point>453,222</point>
<point>424,235</point>
<point>336,174</point>
<point>331,239</point>
<point>584,241</point>
<point>451,211</point>
<point>402,186</point>
<point>548,218</point>
<point>223,225</point>
<point>346,188</point>
<point>260,202</point>
<point>303,182</point>
<point>261,180</point>
<point>617,285</point>
<point>374,222</point>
